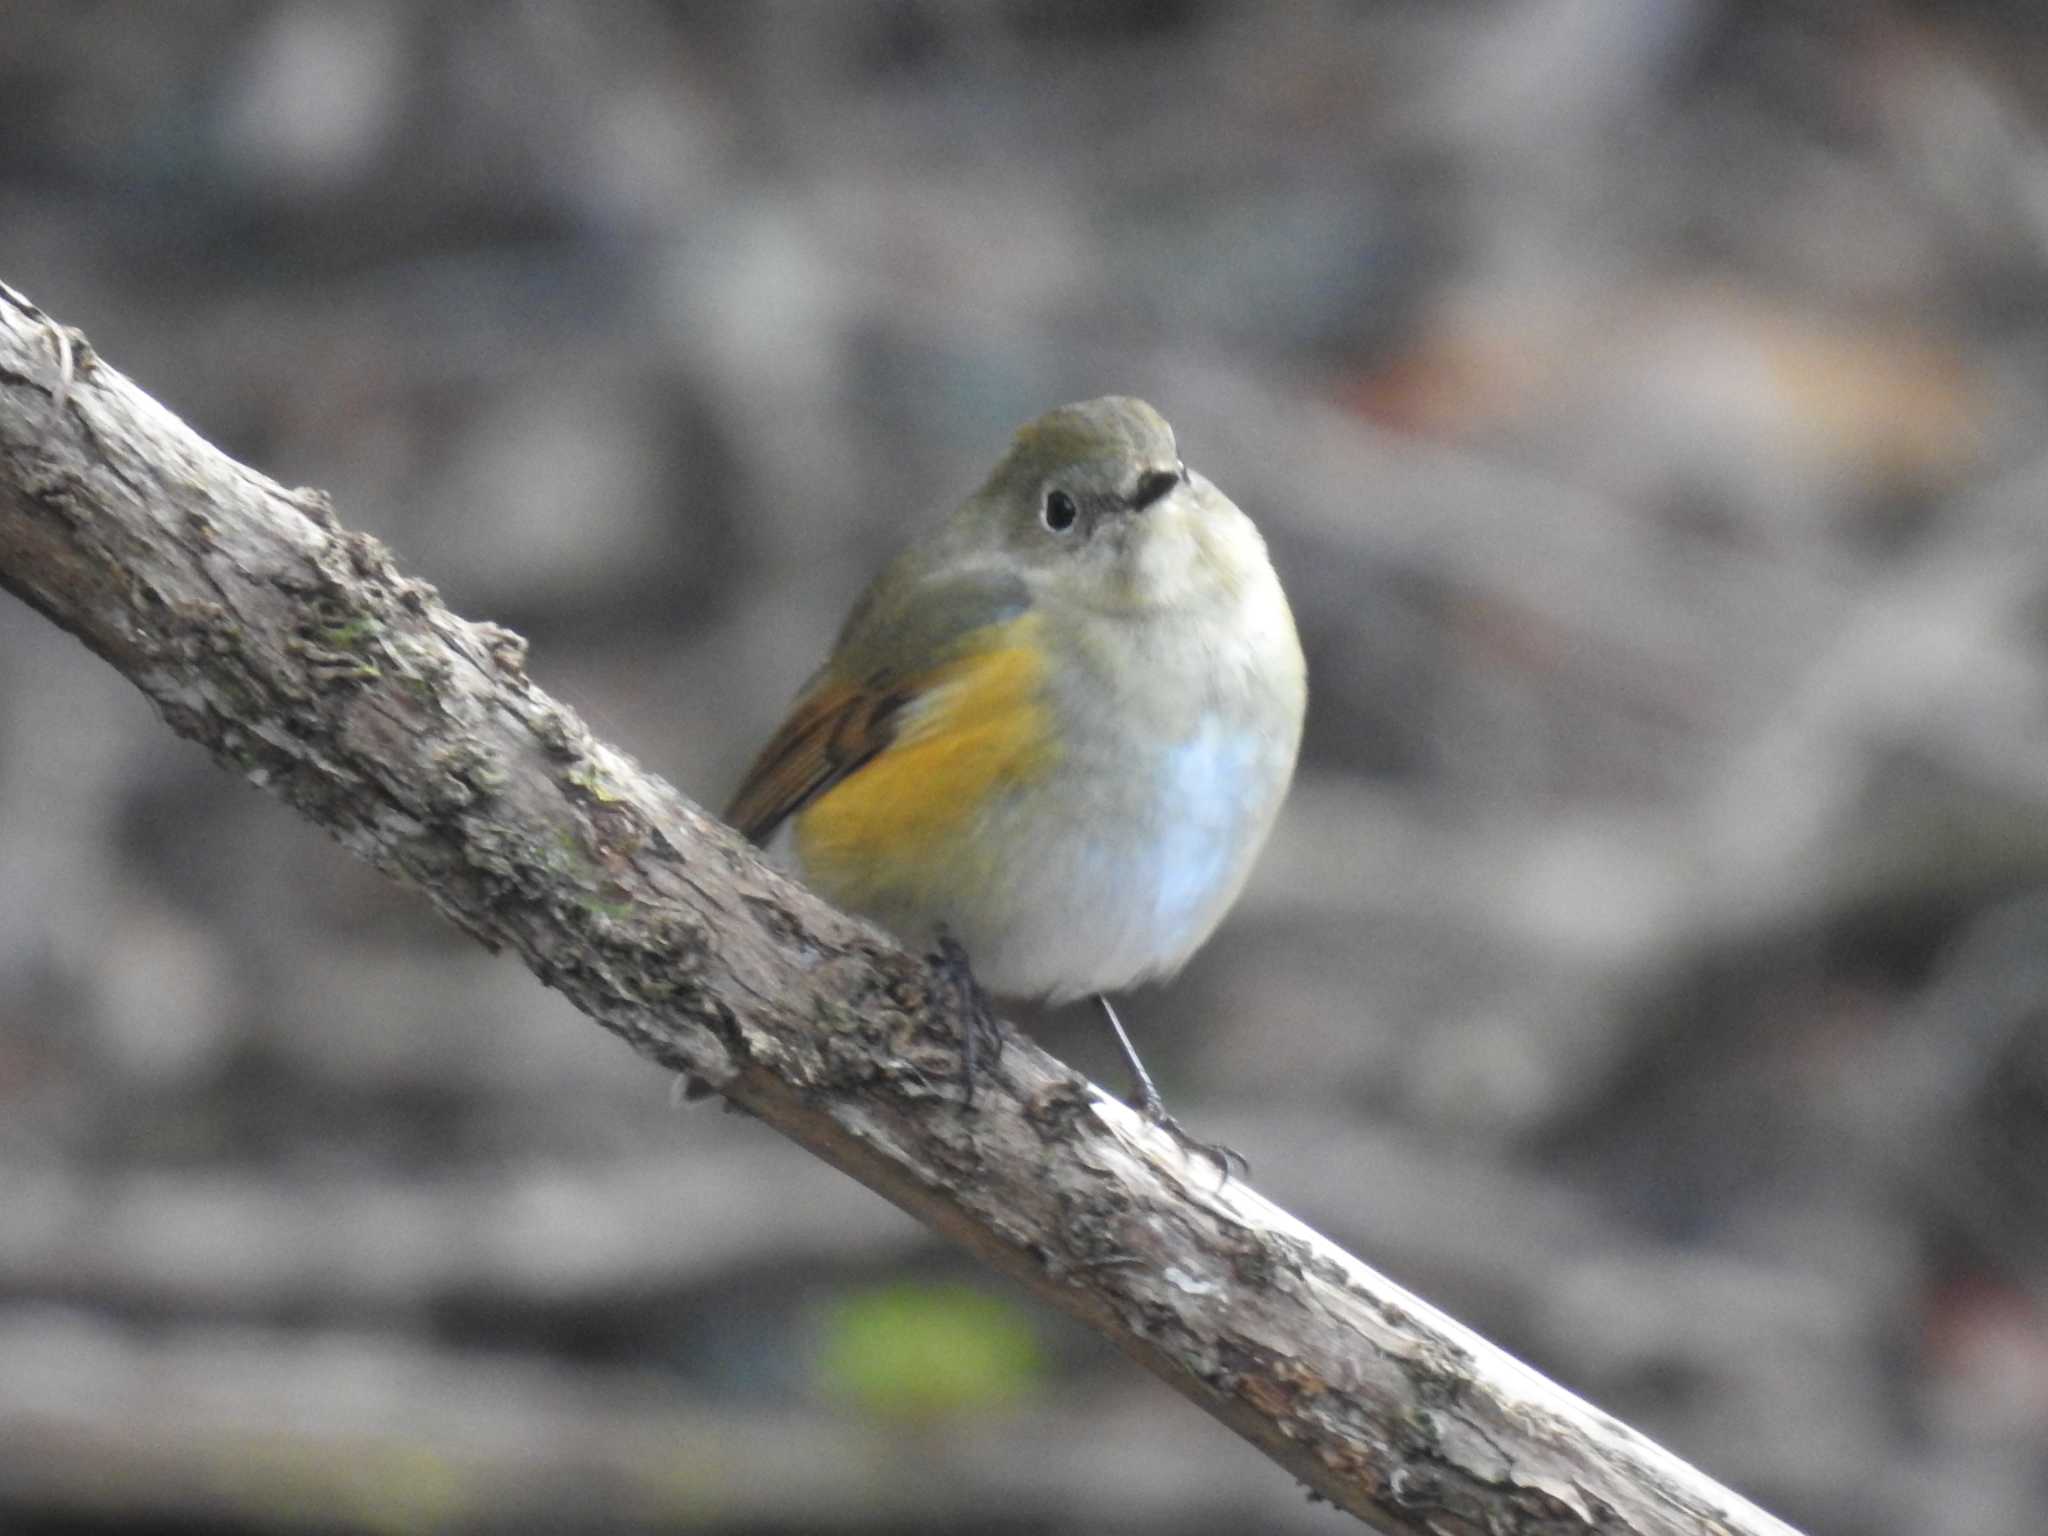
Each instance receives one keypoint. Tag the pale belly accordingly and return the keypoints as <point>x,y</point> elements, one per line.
<point>1115,871</point>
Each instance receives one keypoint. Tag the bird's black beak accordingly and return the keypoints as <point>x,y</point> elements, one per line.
<point>1152,485</point>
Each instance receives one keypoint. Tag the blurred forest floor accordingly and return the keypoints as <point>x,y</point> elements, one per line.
<point>1644,402</point>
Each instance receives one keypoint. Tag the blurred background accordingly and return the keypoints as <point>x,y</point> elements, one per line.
<point>1644,401</point>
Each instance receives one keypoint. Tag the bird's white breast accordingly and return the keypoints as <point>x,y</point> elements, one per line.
<point>1177,753</point>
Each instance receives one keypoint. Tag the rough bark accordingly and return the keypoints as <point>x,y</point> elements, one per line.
<point>295,652</point>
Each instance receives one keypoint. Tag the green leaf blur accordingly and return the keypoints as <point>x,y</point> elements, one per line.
<point>919,1351</point>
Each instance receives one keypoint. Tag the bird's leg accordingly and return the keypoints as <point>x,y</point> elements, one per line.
<point>1153,1108</point>
<point>950,961</point>
<point>1150,1105</point>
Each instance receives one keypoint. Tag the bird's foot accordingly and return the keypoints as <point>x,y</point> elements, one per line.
<point>1229,1162</point>
<point>982,1035</point>
<point>1147,1103</point>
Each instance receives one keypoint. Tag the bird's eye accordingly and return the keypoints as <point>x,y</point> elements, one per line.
<point>1059,511</point>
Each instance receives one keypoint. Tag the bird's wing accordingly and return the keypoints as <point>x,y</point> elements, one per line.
<point>891,648</point>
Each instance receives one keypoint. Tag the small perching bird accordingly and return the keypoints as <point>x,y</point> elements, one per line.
<point>1055,730</point>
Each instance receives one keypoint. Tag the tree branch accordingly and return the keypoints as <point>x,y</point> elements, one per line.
<point>296,653</point>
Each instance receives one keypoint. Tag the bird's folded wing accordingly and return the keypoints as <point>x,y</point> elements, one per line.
<point>887,654</point>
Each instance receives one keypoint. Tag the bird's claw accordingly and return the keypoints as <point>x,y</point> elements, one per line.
<point>981,1033</point>
<point>1229,1162</point>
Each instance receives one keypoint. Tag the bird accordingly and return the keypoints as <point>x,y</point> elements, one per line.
<point>1054,732</point>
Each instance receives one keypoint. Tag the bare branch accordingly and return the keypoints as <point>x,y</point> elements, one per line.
<point>297,654</point>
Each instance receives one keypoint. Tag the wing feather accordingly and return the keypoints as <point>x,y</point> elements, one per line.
<point>890,647</point>
<point>834,728</point>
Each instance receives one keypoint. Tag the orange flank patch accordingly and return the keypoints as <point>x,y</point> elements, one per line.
<point>977,725</point>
